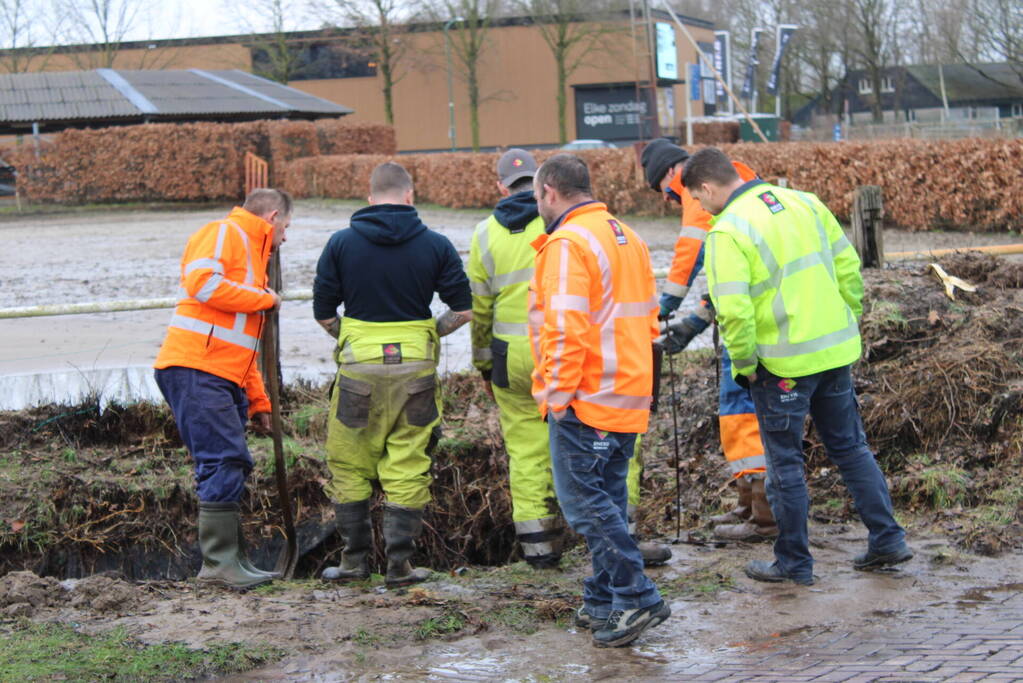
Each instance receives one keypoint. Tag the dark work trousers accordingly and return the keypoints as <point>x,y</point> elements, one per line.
<point>782,405</point>
<point>211,413</point>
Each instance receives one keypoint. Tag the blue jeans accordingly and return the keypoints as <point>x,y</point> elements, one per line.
<point>589,469</point>
<point>782,405</point>
<point>211,413</point>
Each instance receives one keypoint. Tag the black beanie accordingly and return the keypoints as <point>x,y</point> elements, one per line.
<point>658,156</point>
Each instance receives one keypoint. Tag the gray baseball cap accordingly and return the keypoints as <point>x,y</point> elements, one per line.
<point>514,164</point>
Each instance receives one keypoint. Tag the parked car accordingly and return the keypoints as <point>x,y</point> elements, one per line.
<point>589,144</point>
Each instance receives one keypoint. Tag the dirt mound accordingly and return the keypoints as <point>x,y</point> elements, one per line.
<point>103,593</point>
<point>21,593</point>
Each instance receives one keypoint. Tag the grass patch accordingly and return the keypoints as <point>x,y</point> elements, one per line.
<point>518,618</point>
<point>700,584</point>
<point>438,627</point>
<point>32,652</point>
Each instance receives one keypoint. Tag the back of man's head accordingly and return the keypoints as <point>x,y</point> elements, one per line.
<point>709,165</point>
<point>567,174</point>
<point>389,183</point>
<point>658,156</point>
<point>265,200</point>
<point>515,169</point>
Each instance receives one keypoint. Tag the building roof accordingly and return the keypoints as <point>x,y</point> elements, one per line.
<point>62,99</point>
<point>970,82</point>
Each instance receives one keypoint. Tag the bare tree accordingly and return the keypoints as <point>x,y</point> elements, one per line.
<point>268,24</point>
<point>102,24</point>
<point>998,27</point>
<point>23,25</point>
<point>870,24</point>
<point>468,43</point>
<point>572,33</point>
<point>381,26</point>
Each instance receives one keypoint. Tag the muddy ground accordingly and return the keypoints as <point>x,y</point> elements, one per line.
<point>86,491</point>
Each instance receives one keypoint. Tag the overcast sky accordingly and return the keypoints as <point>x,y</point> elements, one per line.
<point>190,18</point>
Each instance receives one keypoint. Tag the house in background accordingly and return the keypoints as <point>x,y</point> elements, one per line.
<point>922,92</point>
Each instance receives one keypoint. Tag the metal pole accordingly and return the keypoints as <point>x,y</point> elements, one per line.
<point>451,87</point>
<point>689,105</point>
<point>777,94</point>
<point>753,85</point>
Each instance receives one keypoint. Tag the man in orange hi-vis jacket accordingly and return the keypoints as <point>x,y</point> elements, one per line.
<point>751,519</point>
<point>592,318</point>
<point>208,373</point>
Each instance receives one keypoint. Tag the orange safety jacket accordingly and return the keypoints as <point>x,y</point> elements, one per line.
<point>695,226</point>
<point>218,320</point>
<point>592,318</point>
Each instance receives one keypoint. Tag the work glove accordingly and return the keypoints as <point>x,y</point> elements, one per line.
<point>679,334</point>
<point>669,303</point>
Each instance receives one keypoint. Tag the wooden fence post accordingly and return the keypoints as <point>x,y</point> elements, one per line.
<point>867,225</point>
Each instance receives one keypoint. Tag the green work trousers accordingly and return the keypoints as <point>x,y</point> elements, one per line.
<point>381,419</point>
<point>526,435</point>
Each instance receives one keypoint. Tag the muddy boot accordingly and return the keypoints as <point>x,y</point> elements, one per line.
<point>654,554</point>
<point>243,556</point>
<point>352,520</point>
<point>743,509</point>
<point>761,525</point>
<point>218,540</point>
<point>401,527</point>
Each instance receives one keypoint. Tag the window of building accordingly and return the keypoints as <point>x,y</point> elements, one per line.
<point>865,88</point>
<point>887,85</point>
<point>1017,110</point>
<point>316,61</point>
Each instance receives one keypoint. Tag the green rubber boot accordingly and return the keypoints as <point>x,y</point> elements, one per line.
<point>352,520</point>
<point>401,527</point>
<point>221,551</point>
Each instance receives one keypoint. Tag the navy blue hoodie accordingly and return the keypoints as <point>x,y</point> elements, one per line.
<point>386,267</point>
<point>516,211</point>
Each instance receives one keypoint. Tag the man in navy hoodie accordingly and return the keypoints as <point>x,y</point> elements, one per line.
<point>384,270</point>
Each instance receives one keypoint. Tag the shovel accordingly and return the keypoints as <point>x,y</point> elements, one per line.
<point>287,560</point>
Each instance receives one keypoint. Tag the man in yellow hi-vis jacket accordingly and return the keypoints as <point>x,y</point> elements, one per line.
<point>385,269</point>
<point>788,292</point>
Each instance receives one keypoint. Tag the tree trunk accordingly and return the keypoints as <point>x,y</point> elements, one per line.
<point>562,97</point>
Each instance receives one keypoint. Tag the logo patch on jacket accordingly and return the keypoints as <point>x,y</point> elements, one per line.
<point>787,385</point>
<point>617,230</point>
<point>772,202</point>
<point>392,353</point>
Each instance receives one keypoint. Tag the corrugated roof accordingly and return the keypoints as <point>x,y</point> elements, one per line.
<point>970,82</point>
<point>171,94</point>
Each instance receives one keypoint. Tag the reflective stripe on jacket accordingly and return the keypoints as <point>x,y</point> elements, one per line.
<point>696,223</point>
<point>500,269</point>
<point>785,282</point>
<point>592,318</point>
<point>218,319</point>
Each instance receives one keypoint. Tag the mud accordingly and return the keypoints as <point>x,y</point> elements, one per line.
<point>363,632</point>
<point>23,594</point>
<point>127,255</point>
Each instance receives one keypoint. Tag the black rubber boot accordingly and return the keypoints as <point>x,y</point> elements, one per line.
<point>221,553</point>
<point>352,520</point>
<point>401,527</point>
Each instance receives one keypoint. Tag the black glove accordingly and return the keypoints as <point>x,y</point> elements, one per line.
<point>679,335</point>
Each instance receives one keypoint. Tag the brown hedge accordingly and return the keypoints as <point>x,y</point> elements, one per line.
<point>188,162</point>
<point>962,185</point>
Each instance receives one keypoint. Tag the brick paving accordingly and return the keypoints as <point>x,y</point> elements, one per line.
<point>975,640</point>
